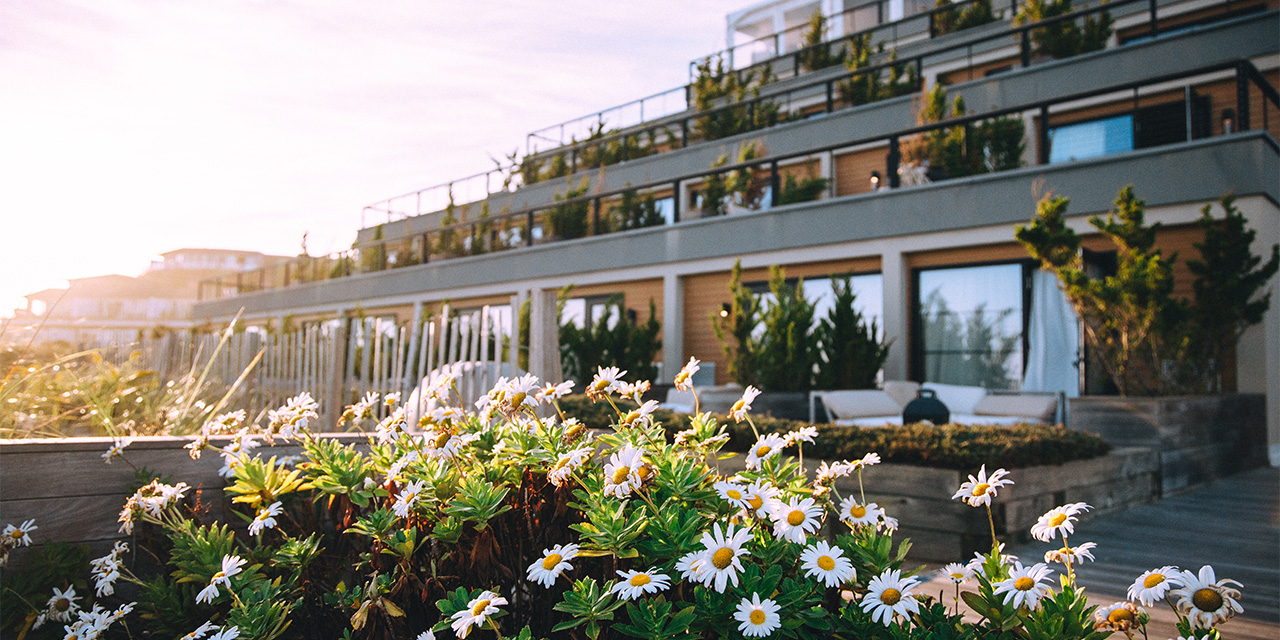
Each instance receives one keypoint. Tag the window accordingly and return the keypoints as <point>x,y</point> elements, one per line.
<point>1142,128</point>
<point>589,310</point>
<point>970,325</point>
<point>868,290</point>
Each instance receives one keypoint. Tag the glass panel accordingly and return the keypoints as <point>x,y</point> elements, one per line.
<point>869,298</point>
<point>1091,139</point>
<point>971,320</point>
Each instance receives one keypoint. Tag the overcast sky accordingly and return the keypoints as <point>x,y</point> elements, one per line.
<point>131,128</point>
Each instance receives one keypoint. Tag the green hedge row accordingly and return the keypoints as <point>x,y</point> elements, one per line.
<point>951,446</point>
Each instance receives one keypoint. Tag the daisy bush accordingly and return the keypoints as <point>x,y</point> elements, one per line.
<point>511,519</point>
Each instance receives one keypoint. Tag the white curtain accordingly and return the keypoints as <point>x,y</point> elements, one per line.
<point>1053,338</point>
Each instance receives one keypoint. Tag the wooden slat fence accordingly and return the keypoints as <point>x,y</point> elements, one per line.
<point>338,362</point>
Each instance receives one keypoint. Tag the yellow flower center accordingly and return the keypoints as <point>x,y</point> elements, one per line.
<point>755,501</point>
<point>551,561</point>
<point>62,604</point>
<point>1207,599</point>
<point>722,557</point>
<point>1120,615</point>
<point>620,474</point>
<point>890,596</point>
<point>1057,519</point>
<point>218,576</point>
<point>574,431</point>
<point>682,377</point>
<point>640,580</point>
<point>958,577</point>
<point>757,617</point>
<point>1153,580</point>
<point>763,450</point>
<point>599,385</point>
<point>1024,584</point>
<point>734,494</point>
<point>826,563</point>
<point>441,440</point>
<point>644,472</point>
<point>518,399</point>
<point>561,463</point>
<point>857,511</point>
<point>795,518</point>
<point>479,608</point>
<point>737,406</point>
<point>17,534</point>
<point>980,489</point>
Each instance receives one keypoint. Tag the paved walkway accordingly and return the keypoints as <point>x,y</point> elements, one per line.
<point>1232,524</point>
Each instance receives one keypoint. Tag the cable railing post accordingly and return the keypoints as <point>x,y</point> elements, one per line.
<point>1024,47</point>
<point>426,247</point>
<point>684,133</point>
<point>675,201</point>
<point>471,248</point>
<point>1154,29</point>
<point>1042,137</point>
<point>1242,97</point>
<point>831,104</point>
<point>1186,102</point>
<point>892,161</point>
<point>1013,8</point>
<point>528,238</point>
<point>775,184</point>
<point>932,33</point>
<point>595,217</point>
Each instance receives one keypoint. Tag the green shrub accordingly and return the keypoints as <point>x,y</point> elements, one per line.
<point>950,446</point>
<point>850,355</point>
<point>627,345</point>
<point>782,357</point>
<point>813,54</point>
<point>806,190</point>
<point>570,220</point>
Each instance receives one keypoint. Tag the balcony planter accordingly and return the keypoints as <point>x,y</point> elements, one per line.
<point>1198,438</point>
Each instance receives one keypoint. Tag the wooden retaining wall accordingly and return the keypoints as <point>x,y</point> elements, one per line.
<point>74,497</point>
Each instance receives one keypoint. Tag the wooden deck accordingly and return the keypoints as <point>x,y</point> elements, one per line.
<point>1232,524</point>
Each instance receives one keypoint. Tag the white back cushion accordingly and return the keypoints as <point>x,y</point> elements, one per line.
<point>959,399</point>
<point>862,403</point>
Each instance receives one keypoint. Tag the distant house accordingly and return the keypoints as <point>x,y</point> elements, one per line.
<point>116,309</point>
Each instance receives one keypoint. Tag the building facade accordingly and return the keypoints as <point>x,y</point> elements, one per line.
<point>832,169</point>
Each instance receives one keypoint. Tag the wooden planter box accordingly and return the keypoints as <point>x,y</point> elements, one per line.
<point>946,530</point>
<point>74,497</point>
<point>1199,438</point>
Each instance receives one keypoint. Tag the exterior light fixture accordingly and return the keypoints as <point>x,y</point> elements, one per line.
<point>875,180</point>
<point>724,310</point>
<point>1228,121</point>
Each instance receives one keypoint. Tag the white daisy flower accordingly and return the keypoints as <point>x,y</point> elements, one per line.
<point>976,562</point>
<point>803,434</point>
<point>1023,587</point>
<point>733,493</point>
<point>828,472</point>
<point>722,551</point>
<point>407,497</point>
<point>555,391</point>
<point>604,382</point>
<point>426,635</point>
<point>265,518</point>
<point>554,561</point>
<point>1121,616</point>
<point>622,472</point>
<point>1058,520</point>
<point>866,461</point>
<point>857,514</point>
<point>684,379</point>
<point>477,611</point>
<point>62,604</point>
<point>693,566</point>
<point>231,565</point>
<point>766,447</point>
<point>758,618</point>
<point>1071,555</point>
<point>743,405</point>
<point>566,464</point>
<point>979,491</point>
<point>796,519</point>
<point>106,570</point>
<point>201,631</point>
<point>634,584</point>
<point>227,633</point>
<point>116,449</point>
<point>762,497</point>
<point>887,524</point>
<point>391,399</point>
<point>19,536</point>
<point>634,391</point>
<point>957,572</point>
<point>1204,599</point>
<point>1153,585</point>
<point>826,563</point>
<point>889,594</point>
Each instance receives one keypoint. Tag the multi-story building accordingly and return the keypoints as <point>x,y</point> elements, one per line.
<point>116,309</point>
<point>838,169</point>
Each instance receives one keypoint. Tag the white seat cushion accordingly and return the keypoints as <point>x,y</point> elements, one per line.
<point>1038,408</point>
<point>861,403</point>
<point>958,398</point>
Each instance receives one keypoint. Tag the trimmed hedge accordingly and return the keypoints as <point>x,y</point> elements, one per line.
<point>950,446</point>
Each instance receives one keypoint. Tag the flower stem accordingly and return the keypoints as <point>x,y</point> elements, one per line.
<point>995,545</point>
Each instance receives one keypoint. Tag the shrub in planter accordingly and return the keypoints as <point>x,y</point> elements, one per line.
<point>781,358</point>
<point>504,524</point>
<point>624,343</point>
